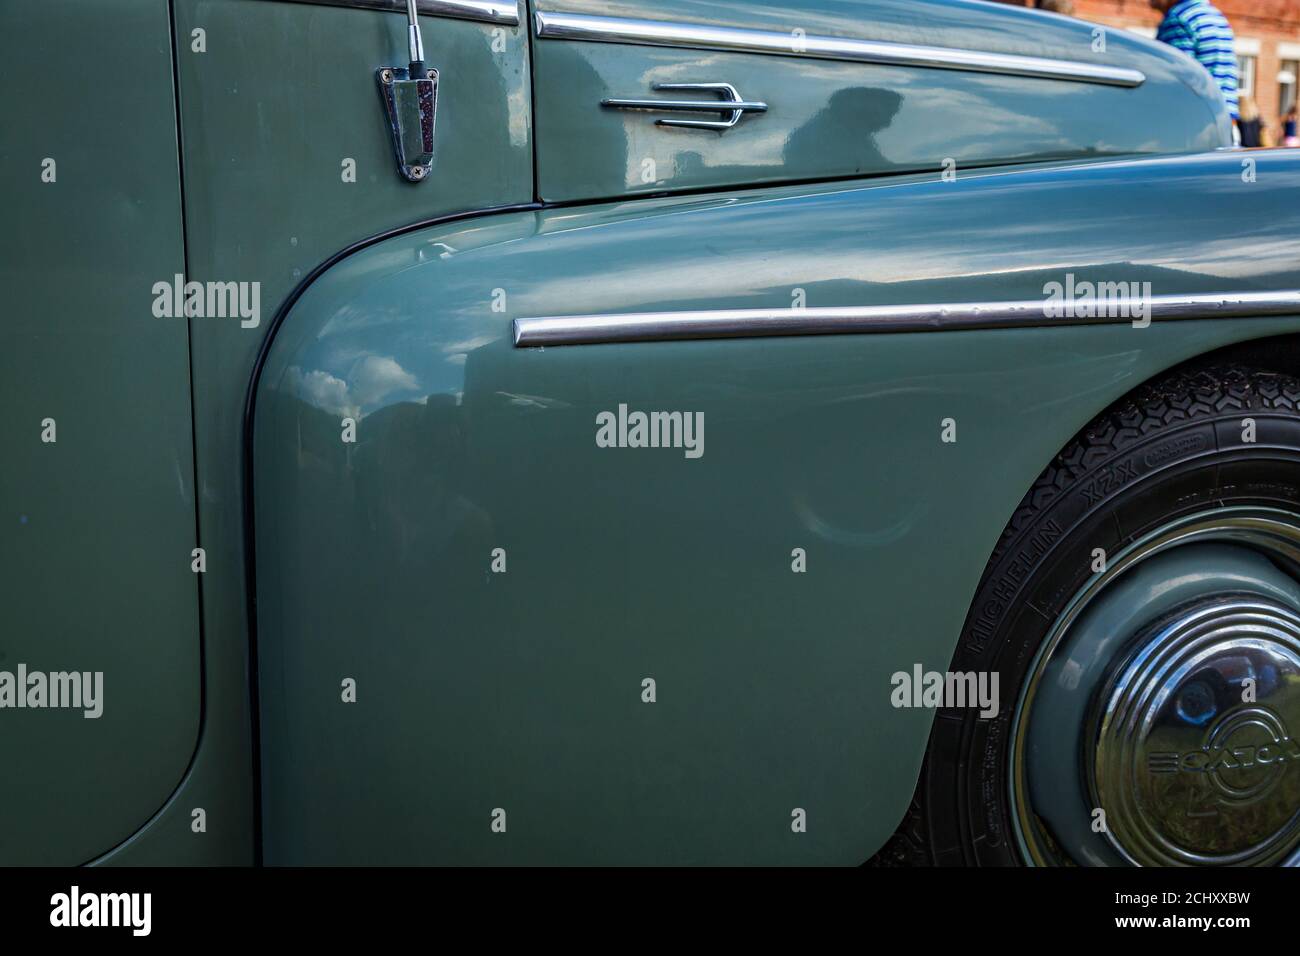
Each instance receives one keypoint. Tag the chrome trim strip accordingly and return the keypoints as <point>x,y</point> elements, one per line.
<point>577,26</point>
<point>483,11</point>
<point>958,316</point>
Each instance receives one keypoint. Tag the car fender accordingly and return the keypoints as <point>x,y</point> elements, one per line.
<point>438,523</point>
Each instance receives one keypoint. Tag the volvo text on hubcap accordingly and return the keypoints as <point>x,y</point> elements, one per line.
<point>1160,721</point>
<point>1194,750</point>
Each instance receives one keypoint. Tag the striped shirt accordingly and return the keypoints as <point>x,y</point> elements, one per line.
<point>1198,29</point>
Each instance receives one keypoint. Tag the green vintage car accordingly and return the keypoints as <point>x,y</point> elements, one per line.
<point>603,431</point>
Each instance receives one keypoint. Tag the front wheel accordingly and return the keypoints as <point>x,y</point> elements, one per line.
<point>1142,611</point>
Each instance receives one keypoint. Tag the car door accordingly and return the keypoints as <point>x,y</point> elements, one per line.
<point>100,683</point>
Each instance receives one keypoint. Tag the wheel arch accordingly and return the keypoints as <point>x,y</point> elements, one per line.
<point>1269,355</point>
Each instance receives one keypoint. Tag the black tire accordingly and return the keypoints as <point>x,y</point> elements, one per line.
<point>1173,447</point>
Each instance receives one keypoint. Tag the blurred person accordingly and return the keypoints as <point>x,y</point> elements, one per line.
<point>1063,7</point>
<point>1249,123</point>
<point>1198,29</point>
<point>1289,137</point>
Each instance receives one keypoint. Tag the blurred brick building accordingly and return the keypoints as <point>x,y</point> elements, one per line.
<point>1268,41</point>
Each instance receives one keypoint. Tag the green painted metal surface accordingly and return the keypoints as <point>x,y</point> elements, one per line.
<point>829,119</point>
<point>280,97</point>
<point>522,691</point>
<point>98,524</point>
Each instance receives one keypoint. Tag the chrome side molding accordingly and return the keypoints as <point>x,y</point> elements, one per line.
<point>954,317</point>
<point>732,105</point>
<point>484,11</point>
<point>577,26</point>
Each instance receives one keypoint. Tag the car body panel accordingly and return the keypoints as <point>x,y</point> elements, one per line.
<point>98,524</point>
<point>834,119</point>
<point>521,691</point>
<point>282,94</point>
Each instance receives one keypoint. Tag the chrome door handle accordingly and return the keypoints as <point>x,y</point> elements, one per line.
<point>730,102</point>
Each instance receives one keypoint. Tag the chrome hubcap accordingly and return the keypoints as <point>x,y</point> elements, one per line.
<point>1194,755</point>
<point>1160,722</point>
